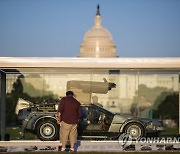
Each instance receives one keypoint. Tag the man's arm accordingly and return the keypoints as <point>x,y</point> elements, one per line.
<point>59,111</point>
<point>58,118</point>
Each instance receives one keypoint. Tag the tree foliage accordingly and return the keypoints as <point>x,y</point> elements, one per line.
<point>165,103</point>
<point>18,92</point>
<point>169,108</point>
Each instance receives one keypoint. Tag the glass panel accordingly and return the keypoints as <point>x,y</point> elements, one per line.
<point>40,90</point>
<point>128,91</point>
<point>119,98</point>
<point>158,95</point>
<point>145,93</point>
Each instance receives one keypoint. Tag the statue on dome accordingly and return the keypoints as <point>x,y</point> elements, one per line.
<point>98,12</point>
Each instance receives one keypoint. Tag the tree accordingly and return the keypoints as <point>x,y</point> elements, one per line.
<point>168,108</point>
<point>19,92</point>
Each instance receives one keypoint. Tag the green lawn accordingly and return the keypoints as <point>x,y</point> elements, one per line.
<point>170,131</point>
<point>14,134</point>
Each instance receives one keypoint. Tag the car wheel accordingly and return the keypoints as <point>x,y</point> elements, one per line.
<point>47,130</point>
<point>135,130</point>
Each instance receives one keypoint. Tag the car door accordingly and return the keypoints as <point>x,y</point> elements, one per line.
<point>94,122</point>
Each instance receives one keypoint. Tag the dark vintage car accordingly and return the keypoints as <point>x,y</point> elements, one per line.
<point>96,122</point>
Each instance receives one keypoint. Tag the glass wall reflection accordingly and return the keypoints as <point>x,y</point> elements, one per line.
<point>150,94</point>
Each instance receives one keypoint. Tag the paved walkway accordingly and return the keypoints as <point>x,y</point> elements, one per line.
<point>13,146</point>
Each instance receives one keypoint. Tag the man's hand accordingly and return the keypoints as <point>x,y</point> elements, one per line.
<point>58,119</point>
<point>58,122</point>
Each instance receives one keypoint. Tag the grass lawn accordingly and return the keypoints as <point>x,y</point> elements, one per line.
<point>170,131</point>
<point>14,134</point>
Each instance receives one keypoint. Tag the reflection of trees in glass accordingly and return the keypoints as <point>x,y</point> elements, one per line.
<point>153,95</point>
<point>165,103</point>
<point>35,85</point>
<point>168,108</point>
<point>18,92</point>
<point>11,100</point>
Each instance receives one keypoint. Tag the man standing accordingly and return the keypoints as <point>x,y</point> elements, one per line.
<point>68,115</point>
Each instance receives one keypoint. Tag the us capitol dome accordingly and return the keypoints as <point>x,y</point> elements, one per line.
<point>98,41</point>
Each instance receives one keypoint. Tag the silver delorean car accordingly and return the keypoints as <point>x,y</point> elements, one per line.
<point>96,123</point>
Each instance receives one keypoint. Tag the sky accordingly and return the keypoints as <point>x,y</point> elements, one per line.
<point>56,28</point>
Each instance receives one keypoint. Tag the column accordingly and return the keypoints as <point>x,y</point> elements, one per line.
<point>179,103</point>
<point>3,104</point>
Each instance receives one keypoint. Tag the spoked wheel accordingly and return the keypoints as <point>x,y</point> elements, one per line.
<point>135,130</point>
<point>47,130</point>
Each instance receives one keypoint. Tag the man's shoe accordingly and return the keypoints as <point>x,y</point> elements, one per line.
<point>71,150</point>
<point>63,149</point>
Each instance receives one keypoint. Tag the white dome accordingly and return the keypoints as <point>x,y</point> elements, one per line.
<point>98,41</point>
<point>98,34</point>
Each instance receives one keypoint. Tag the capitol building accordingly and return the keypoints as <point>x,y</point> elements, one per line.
<point>98,41</point>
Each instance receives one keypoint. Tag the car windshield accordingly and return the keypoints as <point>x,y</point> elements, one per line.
<point>103,109</point>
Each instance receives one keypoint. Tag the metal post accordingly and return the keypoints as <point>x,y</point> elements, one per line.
<point>3,105</point>
<point>179,102</point>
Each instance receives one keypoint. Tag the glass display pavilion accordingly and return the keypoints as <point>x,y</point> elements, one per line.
<point>155,81</point>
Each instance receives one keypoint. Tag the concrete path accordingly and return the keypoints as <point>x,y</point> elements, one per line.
<point>13,146</point>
